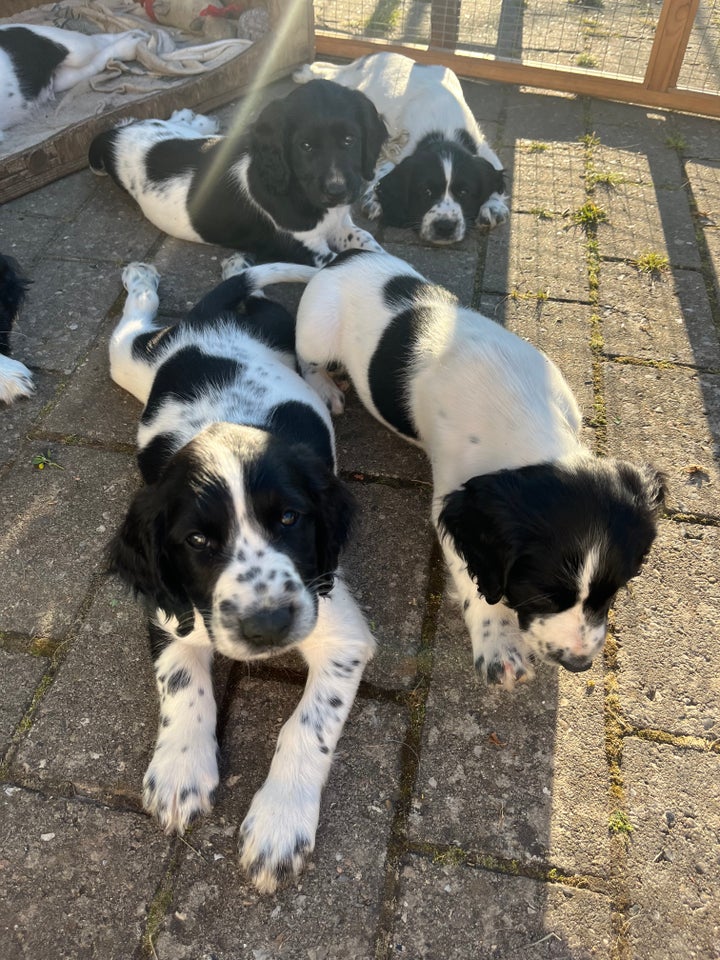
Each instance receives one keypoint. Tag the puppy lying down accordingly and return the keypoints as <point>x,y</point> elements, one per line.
<point>538,533</point>
<point>233,544</point>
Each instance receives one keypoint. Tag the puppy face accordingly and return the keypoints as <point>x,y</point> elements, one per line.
<point>556,544</point>
<point>437,191</point>
<point>324,137</point>
<point>239,530</point>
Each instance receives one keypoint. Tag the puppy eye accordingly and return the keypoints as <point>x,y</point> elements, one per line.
<point>428,193</point>
<point>306,146</point>
<point>461,193</point>
<point>348,141</point>
<point>289,518</point>
<point>198,541</point>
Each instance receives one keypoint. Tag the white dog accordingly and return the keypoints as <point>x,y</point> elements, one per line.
<point>539,534</point>
<point>36,62</point>
<point>441,173</point>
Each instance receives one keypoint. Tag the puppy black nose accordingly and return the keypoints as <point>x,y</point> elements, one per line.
<point>267,627</point>
<point>336,189</point>
<point>444,229</point>
<point>572,663</point>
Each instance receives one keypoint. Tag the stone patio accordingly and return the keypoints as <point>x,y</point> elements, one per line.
<point>576,818</point>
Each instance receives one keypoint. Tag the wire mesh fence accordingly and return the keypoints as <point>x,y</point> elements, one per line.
<point>610,37</point>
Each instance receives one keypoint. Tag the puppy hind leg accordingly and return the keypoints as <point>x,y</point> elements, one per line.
<point>141,282</point>
<point>279,829</point>
<point>316,333</point>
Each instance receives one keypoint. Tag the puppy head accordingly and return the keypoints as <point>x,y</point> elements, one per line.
<point>242,530</point>
<point>437,191</point>
<point>556,543</point>
<point>323,137</point>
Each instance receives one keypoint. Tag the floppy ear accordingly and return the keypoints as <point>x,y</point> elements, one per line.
<point>466,518</point>
<point>393,193</point>
<point>335,509</point>
<point>490,180</point>
<point>374,132</point>
<point>137,555</point>
<point>268,147</point>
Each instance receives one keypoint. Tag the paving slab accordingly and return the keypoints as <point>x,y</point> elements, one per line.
<point>669,418</point>
<point>389,580</point>
<point>673,804</point>
<point>520,776</point>
<point>657,317</point>
<point>17,419</point>
<point>95,728</point>
<point>20,673</point>
<point>530,256</point>
<point>65,515</point>
<point>457,912</point>
<point>666,627</point>
<point>453,269</point>
<point>548,178</point>
<point>332,910</point>
<point>77,878</point>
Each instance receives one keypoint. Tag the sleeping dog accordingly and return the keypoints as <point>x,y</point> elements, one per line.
<point>234,542</point>
<point>15,378</point>
<point>282,190</point>
<point>442,173</point>
<point>539,535</point>
<point>36,62</point>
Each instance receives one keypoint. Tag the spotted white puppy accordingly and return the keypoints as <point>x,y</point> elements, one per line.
<point>234,543</point>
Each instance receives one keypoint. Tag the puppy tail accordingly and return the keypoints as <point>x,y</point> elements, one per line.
<point>263,275</point>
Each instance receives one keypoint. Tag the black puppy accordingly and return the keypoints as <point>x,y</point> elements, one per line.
<point>281,190</point>
<point>15,378</point>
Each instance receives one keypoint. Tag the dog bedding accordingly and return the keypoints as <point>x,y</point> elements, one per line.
<point>172,69</point>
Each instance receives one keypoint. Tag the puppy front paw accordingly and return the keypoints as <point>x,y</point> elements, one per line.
<point>370,205</point>
<point>500,653</point>
<point>16,380</point>
<point>278,834</point>
<point>325,387</point>
<point>494,211</point>
<point>180,784</point>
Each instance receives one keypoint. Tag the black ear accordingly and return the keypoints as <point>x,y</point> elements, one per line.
<point>490,180</point>
<point>466,518</point>
<point>374,133</point>
<point>268,147</point>
<point>648,485</point>
<point>138,557</point>
<point>335,510</point>
<point>393,193</point>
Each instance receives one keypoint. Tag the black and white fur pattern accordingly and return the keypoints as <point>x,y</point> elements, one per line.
<point>15,379</point>
<point>281,190</point>
<point>539,535</point>
<point>233,542</point>
<point>440,172</point>
<point>37,62</point>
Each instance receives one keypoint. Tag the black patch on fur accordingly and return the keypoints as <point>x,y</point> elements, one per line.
<point>345,256</point>
<point>293,419</point>
<point>34,58</point>
<point>388,373</point>
<point>146,345</point>
<point>188,375</point>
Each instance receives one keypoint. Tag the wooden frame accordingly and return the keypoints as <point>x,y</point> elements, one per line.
<point>657,88</point>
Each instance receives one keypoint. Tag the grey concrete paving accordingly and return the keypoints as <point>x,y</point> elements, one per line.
<point>578,818</point>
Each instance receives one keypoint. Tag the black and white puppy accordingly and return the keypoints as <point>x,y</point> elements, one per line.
<point>539,535</point>
<point>281,190</point>
<point>36,62</point>
<point>234,543</point>
<point>441,173</point>
<point>15,378</point>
